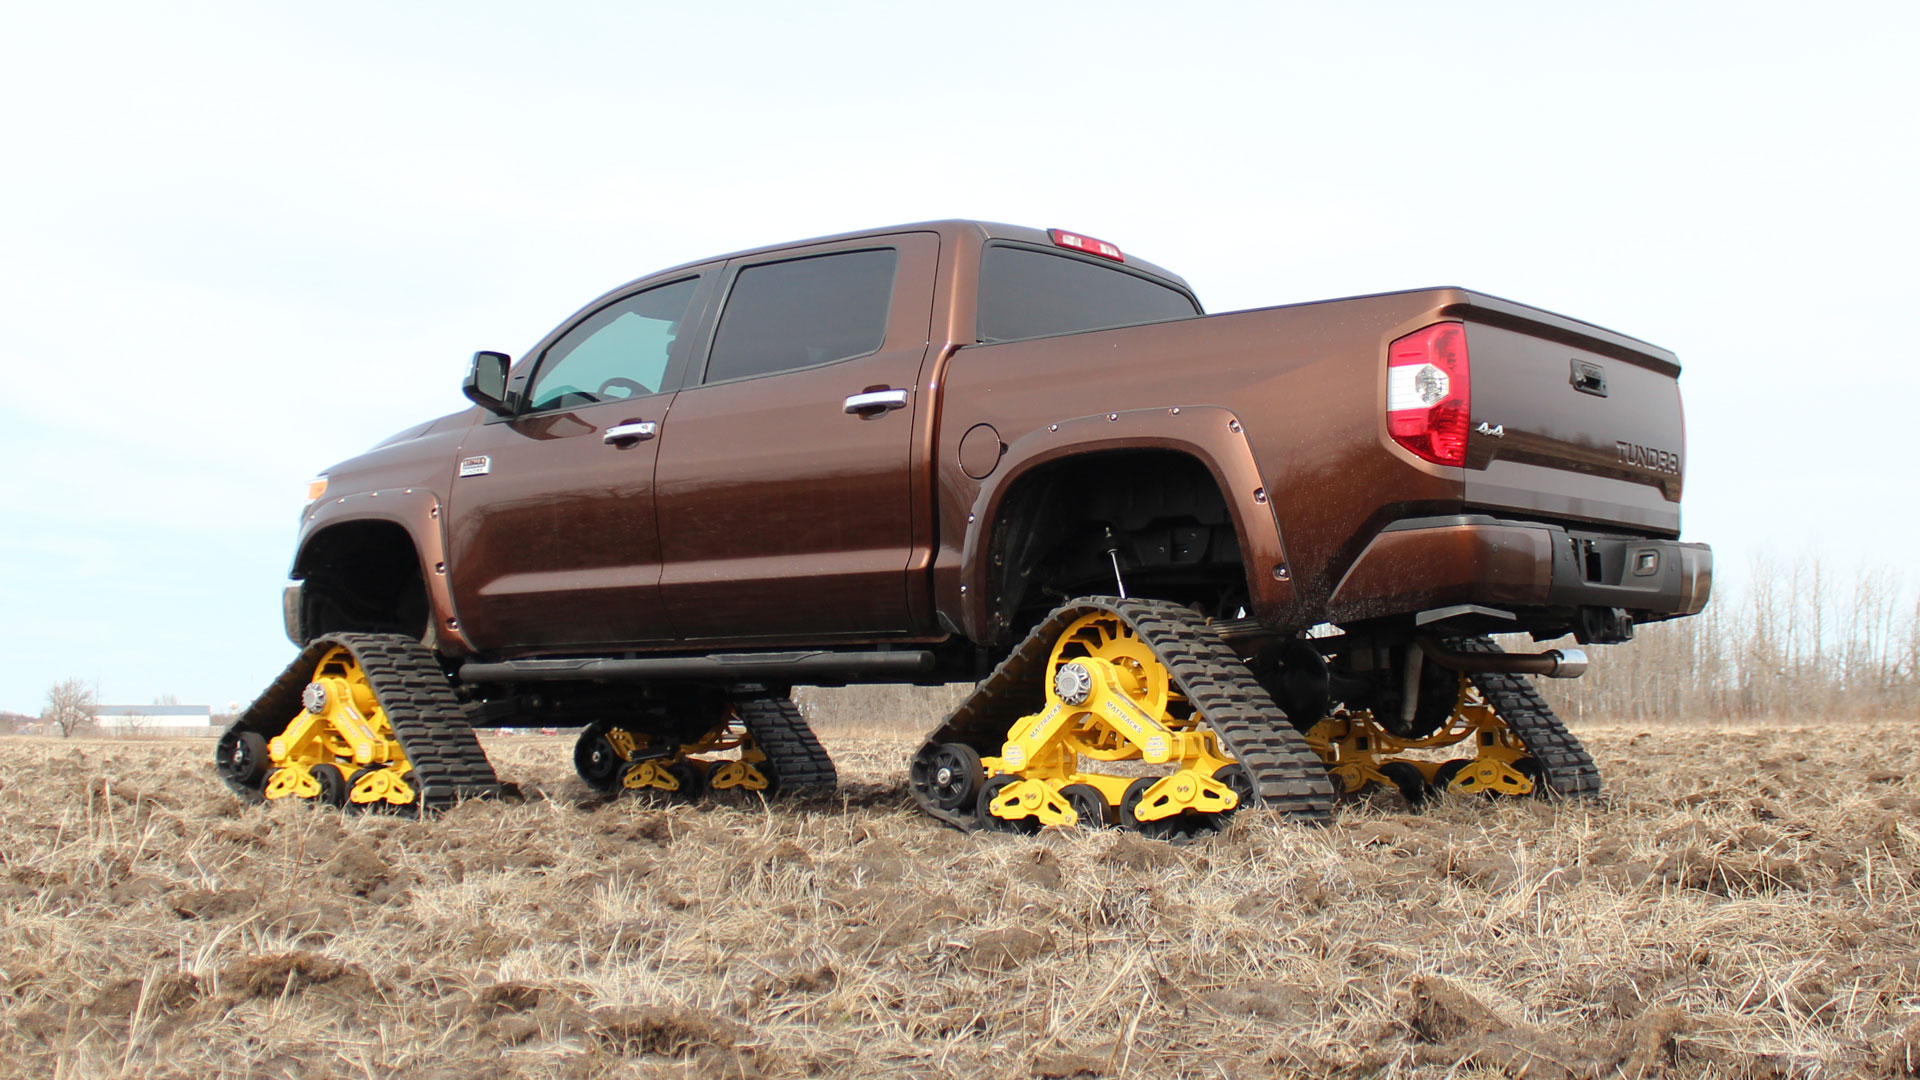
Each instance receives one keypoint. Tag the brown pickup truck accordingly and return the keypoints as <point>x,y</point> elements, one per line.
<point>959,450</point>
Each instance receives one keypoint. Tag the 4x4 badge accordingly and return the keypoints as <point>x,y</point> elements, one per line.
<point>479,466</point>
<point>1498,431</point>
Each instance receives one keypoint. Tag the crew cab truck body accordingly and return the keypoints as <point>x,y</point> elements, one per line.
<point>760,511</point>
<point>887,456</point>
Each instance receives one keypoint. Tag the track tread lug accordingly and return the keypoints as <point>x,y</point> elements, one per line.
<point>782,733</point>
<point>1569,769</point>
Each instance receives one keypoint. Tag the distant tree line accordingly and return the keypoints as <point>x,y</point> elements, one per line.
<point>1797,642</point>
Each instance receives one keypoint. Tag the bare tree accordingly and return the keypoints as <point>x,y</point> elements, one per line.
<point>71,705</point>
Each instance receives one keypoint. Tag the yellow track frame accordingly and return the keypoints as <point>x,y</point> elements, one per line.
<point>341,725</point>
<point>1355,747</point>
<point>739,774</point>
<point>1109,699</point>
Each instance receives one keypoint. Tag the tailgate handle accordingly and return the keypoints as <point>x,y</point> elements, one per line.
<point>1589,378</point>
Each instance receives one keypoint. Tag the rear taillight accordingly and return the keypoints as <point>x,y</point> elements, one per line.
<point>1429,392</point>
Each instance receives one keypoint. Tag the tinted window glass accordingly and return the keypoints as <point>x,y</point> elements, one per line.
<point>1026,293</point>
<point>803,312</point>
<point>620,351</point>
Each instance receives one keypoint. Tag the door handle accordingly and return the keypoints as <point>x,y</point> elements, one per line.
<point>631,431</point>
<point>875,402</point>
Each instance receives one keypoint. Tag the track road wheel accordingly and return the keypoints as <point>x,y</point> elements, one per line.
<point>381,787</point>
<point>1235,778</point>
<point>1443,777</point>
<point>1409,780</point>
<point>692,777</point>
<point>751,776</point>
<point>1130,801</point>
<point>333,784</point>
<point>995,787</point>
<point>1089,806</point>
<point>1183,827</point>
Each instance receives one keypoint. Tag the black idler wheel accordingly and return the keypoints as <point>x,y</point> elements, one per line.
<point>954,776</point>
<point>596,760</point>
<point>244,759</point>
<point>1089,805</point>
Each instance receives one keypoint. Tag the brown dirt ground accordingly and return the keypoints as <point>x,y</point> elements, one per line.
<point>1743,903</point>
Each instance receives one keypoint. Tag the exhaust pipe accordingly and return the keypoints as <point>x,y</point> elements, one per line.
<point>1554,663</point>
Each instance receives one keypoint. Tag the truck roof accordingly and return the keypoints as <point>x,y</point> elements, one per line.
<point>948,228</point>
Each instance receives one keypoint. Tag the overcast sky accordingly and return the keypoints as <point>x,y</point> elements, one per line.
<point>241,242</point>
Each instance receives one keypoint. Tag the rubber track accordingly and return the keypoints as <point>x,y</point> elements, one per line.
<point>1288,775</point>
<point>448,763</point>
<point>781,732</point>
<point>1569,769</point>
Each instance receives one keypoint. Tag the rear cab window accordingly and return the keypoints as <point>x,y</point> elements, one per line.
<point>1029,292</point>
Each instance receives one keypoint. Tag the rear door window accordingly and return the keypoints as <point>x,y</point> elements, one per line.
<point>802,312</point>
<point>1026,293</point>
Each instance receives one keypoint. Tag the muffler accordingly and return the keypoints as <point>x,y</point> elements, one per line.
<point>1554,663</point>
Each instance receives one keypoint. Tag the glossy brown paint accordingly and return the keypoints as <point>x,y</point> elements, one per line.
<point>1303,387</point>
<point>783,517</point>
<point>404,483</point>
<point>762,514</point>
<point>1558,454</point>
<point>556,544</point>
<point>1212,435</point>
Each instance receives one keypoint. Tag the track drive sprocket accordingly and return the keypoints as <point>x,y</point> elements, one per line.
<point>1110,679</point>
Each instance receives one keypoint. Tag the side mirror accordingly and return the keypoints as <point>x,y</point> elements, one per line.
<point>486,384</point>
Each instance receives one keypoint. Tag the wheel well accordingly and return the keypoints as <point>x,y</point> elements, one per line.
<point>1160,511</point>
<point>362,576</point>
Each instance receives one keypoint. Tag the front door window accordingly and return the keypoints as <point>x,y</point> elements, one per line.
<point>618,352</point>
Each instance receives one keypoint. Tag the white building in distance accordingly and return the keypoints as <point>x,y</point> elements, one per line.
<point>154,719</point>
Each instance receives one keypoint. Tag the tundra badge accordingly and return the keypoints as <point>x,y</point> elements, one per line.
<point>475,466</point>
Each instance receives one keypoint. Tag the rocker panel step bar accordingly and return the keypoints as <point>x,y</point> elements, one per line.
<point>777,665</point>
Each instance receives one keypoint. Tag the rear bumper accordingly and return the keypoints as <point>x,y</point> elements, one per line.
<point>1532,570</point>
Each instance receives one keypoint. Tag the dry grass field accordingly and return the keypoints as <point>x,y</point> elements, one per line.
<point>1743,903</point>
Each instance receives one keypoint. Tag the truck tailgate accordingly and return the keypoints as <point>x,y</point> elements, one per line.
<point>1571,421</point>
